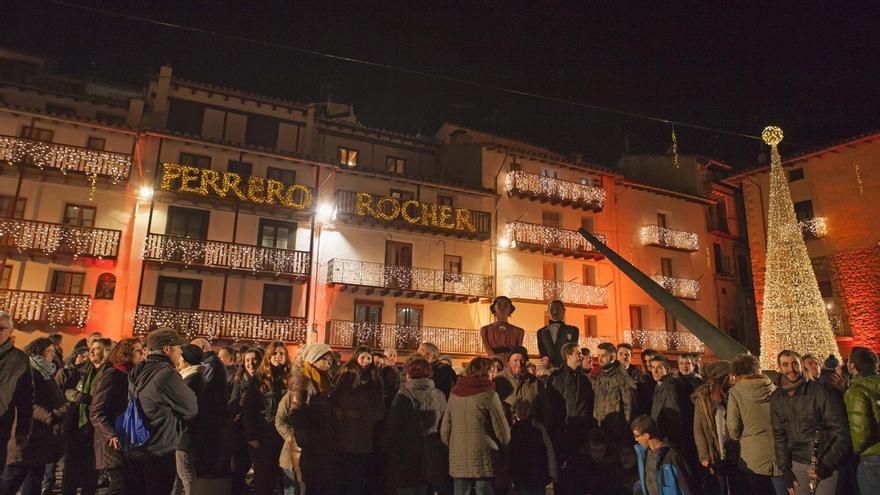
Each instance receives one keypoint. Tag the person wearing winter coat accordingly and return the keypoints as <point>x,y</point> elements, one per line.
<point>79,450</point>
<point>165,402</point>
<point>715,450</point>
<point>862,400</point>
<point>515,383</point>
<point>311,417</point>
<point>748,422</point>
<point>213,415</point>
<point>26,461</point>
<point>66,378</point>
<point>264,393</point>
<point>475,429</point>
<point>417,460</point>
<point>615,391</point>
<point>803,411</point>
<point>671,407</point>
<point>240,458</point>
<point>109,401</point>
<point>532,462</point>
<point>662,470</point>
<point>192,438</point>
<point>358,405</point>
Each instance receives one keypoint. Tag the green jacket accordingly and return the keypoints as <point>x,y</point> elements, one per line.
<point>862,400</point>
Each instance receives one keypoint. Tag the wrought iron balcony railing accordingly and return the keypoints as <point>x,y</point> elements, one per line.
<point>55,238</point>
<point>683,288</point>
<point>64,158</point>
<point>424,281</point>
<point>553,240</point>
<point>227,255</point>
<point>680,240</point>
<point>350,334</point>
<point>225,325</point>
<point>663,340</point>
<point>538,289</point>
<point>46,307</point>
<point>814,228</point>
<point>555,190</point>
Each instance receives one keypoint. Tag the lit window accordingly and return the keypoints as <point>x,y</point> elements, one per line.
<point>395,165</point>
<point>347,156</point>
<point>796,174</point>
<point>549,172</point>
<point>444,200</point>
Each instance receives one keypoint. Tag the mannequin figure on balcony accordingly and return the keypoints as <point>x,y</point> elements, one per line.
<point>554,335</point>
<point>499,337</point>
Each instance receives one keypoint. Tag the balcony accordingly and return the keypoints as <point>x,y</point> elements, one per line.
<point>219,255</point>
<point>28,306</point>
<point>839,324</point>
<point>678,240</point>
<point>549,240</point>
<point>64,158</point>
<point>663,340</point>
<point>813,228</point>
<point>405,281</point>
<point>51,239</point>
<point>682,288</point>
<point>571,293</point>
<point>350,334</point>
<point>412,215</point>
<point>530,342</point>
<point>224,325</point>
<point>555,191</point>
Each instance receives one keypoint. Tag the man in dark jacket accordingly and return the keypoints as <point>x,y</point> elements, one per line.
<point>803,411</point>
<point>444,376</point>
<point>554,335</point>
<point>16,389</point>
<point>213,418</point>
<point>165,402</point>
<point>862,400</point>
<point>615,392</point>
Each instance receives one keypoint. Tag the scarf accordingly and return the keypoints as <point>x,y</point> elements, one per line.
<point>472,385</point>
<point>44,366</point>
<point>121,367</point>
<point>87,383</point>
<point>314,374</point>
<point>790,387</point>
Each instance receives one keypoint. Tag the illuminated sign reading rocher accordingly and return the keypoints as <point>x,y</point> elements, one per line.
<point>209,182</point>
<point>387,208</point>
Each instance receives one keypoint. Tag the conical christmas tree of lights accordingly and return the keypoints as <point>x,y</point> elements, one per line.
<point>794,314</point>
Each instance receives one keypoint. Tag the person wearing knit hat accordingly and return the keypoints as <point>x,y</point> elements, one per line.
<point>311,353</point>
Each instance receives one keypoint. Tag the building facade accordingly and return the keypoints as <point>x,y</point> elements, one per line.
<point>241,217</point>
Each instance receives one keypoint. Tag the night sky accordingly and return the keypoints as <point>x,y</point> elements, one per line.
<point>811,67</point>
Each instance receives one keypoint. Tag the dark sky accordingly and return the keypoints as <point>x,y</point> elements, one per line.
<point>811,67</point>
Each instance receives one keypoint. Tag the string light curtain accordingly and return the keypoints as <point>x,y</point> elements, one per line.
<point>794,314</point>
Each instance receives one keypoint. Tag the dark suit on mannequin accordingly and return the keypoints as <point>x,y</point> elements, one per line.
<point>550,346</point>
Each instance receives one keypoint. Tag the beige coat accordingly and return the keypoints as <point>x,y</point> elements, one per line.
<point>748,421</point>
<point>475,429</point>
<point>290,452</point>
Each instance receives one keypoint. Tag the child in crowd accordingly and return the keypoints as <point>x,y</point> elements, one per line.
<point>593,469</point>
<point>662,470</point>
<point>628,480</point>
<point>532,459</point>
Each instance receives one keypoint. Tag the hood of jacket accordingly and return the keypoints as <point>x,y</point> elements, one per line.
<point>471,385</point>
<point>758,388</point>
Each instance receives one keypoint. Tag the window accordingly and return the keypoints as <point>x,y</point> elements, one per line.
<point>635,317</point>
<point>347,156</point>
<point>398,260</point>
<point>795,174</point>
<point>552,272</point>
<point>720,259</point>
<point>185,116</point>
<point>368,312</point>
<point>276,300</point>
<point>444,200</point>
<point>243,169</point>
<point>79,215</point>
<point>395,165</point>
<point>288,177</point>
<point>368,320</point>
<point>550,219</point>
<point>187,222</point>
<point>587,224</point>
<point>589,275</point>
<point>666,267</point>
<point>401,195</point>
<point>550,172</point>
<point>5,276</point>
<point>194,160</point>
<point>175,292</point>
<point>68,282</point>
<point>6,202</point>
<point>744,272</point>
<point>671,322</point>
<point>60,110</point>
<point>261,131</point>
<point>409,316</point>
<point>110,118</point>
<point>591,181</point>
<point>661,220</point>
<point>452,264</point>
<point>277,234</point>
<point>96,143</point>
<point>37,134</point>
<point>803,210</point>
<point>591,325</point>
<point>826,289</point>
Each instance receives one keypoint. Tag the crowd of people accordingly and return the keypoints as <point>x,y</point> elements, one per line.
<point>164,414</point>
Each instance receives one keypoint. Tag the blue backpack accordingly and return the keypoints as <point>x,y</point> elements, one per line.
<point>131,429</point>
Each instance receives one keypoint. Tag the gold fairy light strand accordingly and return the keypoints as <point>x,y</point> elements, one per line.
<point>794,315</point>
<point>708,259</point>
<point>859,177</point>
<point>674,148</point>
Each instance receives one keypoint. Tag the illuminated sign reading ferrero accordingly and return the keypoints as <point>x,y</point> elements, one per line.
<point>388,209</point>
<point>209,182</point>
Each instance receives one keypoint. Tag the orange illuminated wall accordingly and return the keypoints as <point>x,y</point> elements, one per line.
<point>858,273</point>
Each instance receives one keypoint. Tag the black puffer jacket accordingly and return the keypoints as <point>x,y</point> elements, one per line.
<point>576,390</point>
<point>109,400</point>
<point>797,418</point>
